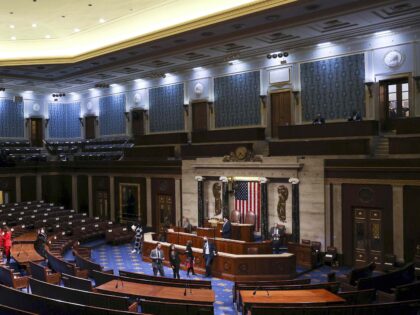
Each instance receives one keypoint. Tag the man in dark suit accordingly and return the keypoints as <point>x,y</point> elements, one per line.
<point>157,257</point>
<point>209,252</point>
<point>226,228</point>
<point>277,233</point>
<point>319,120</point>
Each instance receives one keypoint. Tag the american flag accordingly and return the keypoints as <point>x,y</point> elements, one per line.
<point>247,199</point>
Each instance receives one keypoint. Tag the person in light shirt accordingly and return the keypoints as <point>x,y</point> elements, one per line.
<point>157,257</point>
<point>209,252</point>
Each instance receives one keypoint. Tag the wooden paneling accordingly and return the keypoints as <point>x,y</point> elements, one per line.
<point>407,125</point>
<point>199,116</point>
<point>281,114</point>
<point>411,221</point>
<point>82,193</point>
<point>100,184</point>
<point>320,147</point>
<point>229,135</point>
<point>408,145</point>
<point>36,131</point>
<point>162,138</point>
<point>57,189</point>
<point>143,195</point>
<point>137,153</point>
<point>28,188</point>
<point>304,254</point>
<point>366,196</point>
<point>329,130</point>
<point>137,122</point>
<point>210,150</point>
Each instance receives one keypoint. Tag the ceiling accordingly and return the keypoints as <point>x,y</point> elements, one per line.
<point>284,26</point>
<point>64,30</point>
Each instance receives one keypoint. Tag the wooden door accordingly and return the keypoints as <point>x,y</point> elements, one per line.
<point>199,116</point>
<point>166,211</point>
<point>90,127</point>
<point>281,113</point>
<point>367,236</point>
<point>137,122</point>
<point>101,209</point>
<point>36,132</point>
<point>394,101</point>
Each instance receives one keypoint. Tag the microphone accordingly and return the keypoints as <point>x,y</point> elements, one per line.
<point>268,292</point>
<point>255,291</point>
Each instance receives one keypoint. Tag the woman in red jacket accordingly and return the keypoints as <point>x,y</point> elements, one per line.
<point>1,244</point>
<point>7,240</point>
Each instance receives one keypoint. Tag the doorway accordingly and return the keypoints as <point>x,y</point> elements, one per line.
<point>394,101</point>
<point>368,241</point>
<point>137,124</point>
<point>199,116</point>
<point>101,209</point>
<point>165,211</point>
<point>281,112</point>
<point>90,127</point>
<point>36,132</point>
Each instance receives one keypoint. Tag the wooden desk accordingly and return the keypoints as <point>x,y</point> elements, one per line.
<point>23,250</point>
<point>289,298</point>
<point>157,292</point>
<point>240,231</point>
<point>305,256</point>
<point>222,244</point>
<point>233,267</point>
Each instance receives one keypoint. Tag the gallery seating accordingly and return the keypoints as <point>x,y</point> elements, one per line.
<point>43,273</point>
<point>86,264</point>
<point>118,235</point>
<point>81,297</point>
<point>12,279</point>
<point>62,266</point>
<point>357,273</point>
<point>359,297</point>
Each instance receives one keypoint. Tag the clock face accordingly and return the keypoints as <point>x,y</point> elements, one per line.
<point>36,107</point>
<point>198,89</point>
<point>241,153</point>
<point>393,58</point>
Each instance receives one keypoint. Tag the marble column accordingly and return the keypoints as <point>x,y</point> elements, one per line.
<point>225,196</point>
<point>38,187</point>
<point>200,199</point>
<point>264,209</point>
<point>295,210</point>
<point>90,195</point>
<point>18,189</point>
<point>149,201</point>
<point>178,210</point>
<point>112,197</point>
<point>74,192</point>
<point>398,221</point>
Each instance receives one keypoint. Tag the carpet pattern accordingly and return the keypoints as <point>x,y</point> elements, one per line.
<point>120,257</point>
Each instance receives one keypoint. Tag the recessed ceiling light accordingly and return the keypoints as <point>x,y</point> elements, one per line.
<point>324,44</point>
<point>76,30</point>
<point>11,26</point>
<point>387,32</point>
<point>101,20</point>
<point>47,36</point>
<point>34,25</point>
<point>13,38</point>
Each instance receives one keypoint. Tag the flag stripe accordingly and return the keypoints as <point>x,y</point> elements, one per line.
<point>248,199</point>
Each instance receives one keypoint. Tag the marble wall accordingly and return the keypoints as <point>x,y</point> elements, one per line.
<point>310,172</point>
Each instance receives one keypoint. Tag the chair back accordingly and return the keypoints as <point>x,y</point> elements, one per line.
<point>250,218</point>
<point>306,242</point>
<point>235,216</point>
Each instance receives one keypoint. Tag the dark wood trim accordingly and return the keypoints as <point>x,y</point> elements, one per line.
<point>211,150</point>
<point>161,138</point>
<point>229,135</point>
<point>408,145</point>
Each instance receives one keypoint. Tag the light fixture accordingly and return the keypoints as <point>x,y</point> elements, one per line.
<point>324,44</point>
<point>34,25</point>
<point>101,20</point>
<point>11,26</point>
<point>13,38</point>
<point>198,68</point>
<point>47,36</point>
<point>382,33</point>
<point>277,55</point>
<point>76,30</point>
<point>234,62</point>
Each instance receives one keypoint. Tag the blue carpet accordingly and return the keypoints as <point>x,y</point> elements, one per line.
<point>120,257</point>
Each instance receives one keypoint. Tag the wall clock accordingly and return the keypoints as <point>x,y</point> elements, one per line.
<point>36,107</point>
<point>393,58</point>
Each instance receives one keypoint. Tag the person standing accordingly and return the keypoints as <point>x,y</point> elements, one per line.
<point>187,225</point>
<point>138,230</point>
<point>174,260</point>
<point>209,252</point>
<point>1,243</point>
<point>40,242</point>
<point>190,258</point>
<point>226,228</point>
<point>7,240</point>
<point>157,257</point>
<point>277,233</point>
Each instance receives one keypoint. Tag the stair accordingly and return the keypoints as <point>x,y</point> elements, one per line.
<point>382,147</point>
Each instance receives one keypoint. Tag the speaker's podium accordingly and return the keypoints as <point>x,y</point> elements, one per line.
<point>240,231</point>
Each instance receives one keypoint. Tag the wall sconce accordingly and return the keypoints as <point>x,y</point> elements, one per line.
<point>417,80</point>
<point>47,120</point>
<point>263,99</point>
<point>211,107</point>
<point>186,108</point>
<point>296,96</point>
<point>127,116</point>
<point>81,121</point>
<point>369,87</point>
